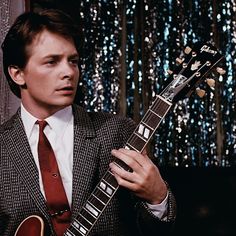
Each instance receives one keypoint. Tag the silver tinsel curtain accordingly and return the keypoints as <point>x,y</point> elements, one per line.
<point>9,10</point>
<point>129,45</point>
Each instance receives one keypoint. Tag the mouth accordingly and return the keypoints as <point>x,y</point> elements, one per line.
<point>66,90</point>
<point>67,87</point>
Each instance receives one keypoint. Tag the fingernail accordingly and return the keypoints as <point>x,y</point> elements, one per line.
<point>113,151</point>
<point>111,165</point>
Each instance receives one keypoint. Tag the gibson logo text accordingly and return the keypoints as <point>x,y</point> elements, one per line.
<point>206,48</point>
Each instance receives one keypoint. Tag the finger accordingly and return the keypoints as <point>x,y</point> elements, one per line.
<point>124,183</point>
<point>127,158</point>
<point>142,171</point>
<point>121,172</point>
<point>144,152</point>
<point>124,178</point>
<point>141,159</point>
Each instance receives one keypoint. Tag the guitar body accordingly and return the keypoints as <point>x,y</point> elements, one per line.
<point>31,226</point>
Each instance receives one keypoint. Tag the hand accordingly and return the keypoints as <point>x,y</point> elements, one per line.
<point>145,180</point>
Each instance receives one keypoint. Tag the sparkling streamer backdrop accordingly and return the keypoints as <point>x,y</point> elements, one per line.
<point>130,45</point>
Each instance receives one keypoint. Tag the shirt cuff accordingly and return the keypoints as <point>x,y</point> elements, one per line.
<point>159,210</point>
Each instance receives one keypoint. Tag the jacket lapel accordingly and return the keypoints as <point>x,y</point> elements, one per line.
<point>21,155</point>
<point>86,151</point>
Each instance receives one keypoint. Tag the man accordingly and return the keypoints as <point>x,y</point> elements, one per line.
<point>41,58</point>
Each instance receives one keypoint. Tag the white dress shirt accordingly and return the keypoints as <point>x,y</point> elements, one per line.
<point>60,133</point>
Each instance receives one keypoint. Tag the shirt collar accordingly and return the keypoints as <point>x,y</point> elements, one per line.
<point>57,122</point>
<point>60,120</point>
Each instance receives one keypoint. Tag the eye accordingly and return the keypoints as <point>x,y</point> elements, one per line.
<point>74,61</point>
<point>51,62</point>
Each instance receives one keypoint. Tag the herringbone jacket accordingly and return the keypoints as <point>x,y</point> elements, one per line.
<point>95,135</point>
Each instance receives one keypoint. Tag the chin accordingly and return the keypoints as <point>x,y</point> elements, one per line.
<point>65,104</point>
<point>65,101</point>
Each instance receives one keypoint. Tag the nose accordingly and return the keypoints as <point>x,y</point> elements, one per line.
<point>68,70</point>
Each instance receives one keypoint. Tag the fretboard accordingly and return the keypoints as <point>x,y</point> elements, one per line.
<point>107,187</point>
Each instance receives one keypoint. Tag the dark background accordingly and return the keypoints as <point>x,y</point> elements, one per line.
<point>205,200</point>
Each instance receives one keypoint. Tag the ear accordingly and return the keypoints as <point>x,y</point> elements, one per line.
<point>16,74</point>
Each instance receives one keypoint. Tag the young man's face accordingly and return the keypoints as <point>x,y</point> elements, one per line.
<point>51,74</point>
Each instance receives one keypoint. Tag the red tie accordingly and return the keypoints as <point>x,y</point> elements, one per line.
<point>55,194</point>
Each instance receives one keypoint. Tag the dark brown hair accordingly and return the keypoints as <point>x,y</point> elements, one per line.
<point>24,30</point>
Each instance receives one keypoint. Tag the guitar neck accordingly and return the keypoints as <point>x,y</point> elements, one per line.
<point>148,125</point>
<point>107,187</point>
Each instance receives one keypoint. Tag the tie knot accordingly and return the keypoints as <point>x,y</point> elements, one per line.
<point>42,124</point>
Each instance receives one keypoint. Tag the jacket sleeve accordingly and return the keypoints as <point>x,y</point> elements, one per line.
<point>149,224</point>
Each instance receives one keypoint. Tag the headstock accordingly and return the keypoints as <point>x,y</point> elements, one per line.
<point>191,69</point>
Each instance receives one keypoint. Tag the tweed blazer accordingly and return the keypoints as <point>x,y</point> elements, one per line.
<point>95,135</point>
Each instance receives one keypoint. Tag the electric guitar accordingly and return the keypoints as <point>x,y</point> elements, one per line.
<point>190,71</point>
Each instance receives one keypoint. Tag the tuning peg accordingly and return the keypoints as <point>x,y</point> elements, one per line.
<point>170,72</point>
<point>200,92</point>
<point>211,82</point>
<point>220,70</point>
<point>187,50</point>
<point>179,60</point>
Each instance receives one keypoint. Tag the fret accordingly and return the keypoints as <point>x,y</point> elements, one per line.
<point>92,209</point>
<point>101,194</point>
<point>105,187</point>
<point>70,233</point>
<point>90,218</point>
<point>130,147</point>
<point>122,165</point>
<point>81,225</point>
<point>148,125</point>
<point>144,132</point>
<point>142,137</point>
<point>151,119</point>
<point>92,195</point>
<point>127,146</point>
<point>160,106</point>
<point>96,202</point>
<point>81,219</point>
<point>110,179</point>
<point>140,129</point>
<point>136,142</point>
<point>112,183</point>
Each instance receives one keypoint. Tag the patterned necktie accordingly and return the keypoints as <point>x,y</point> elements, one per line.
<point>54,191</point>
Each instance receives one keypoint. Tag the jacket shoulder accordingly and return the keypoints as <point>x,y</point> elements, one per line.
<point>105,124</point>
<point>7,125</point>
<point>103,120</point>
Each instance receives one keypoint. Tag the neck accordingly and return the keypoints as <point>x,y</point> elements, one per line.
<point>42,113</point>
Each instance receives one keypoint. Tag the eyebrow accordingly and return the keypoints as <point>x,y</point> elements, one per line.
<point>75,55</point>
<point>55,56</point>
